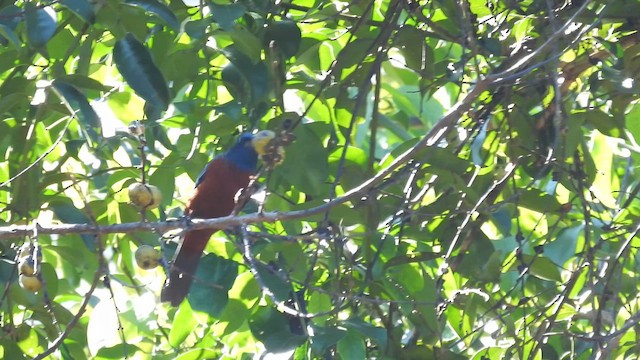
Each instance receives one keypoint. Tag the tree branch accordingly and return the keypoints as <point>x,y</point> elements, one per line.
<point>431,138</point>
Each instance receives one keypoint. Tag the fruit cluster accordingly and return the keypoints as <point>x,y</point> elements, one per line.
<point>29,264</point>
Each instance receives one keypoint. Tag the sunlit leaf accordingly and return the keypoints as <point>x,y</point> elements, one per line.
<point>184,322</point>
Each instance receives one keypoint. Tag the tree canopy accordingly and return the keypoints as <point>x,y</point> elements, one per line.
<point>450,179</point>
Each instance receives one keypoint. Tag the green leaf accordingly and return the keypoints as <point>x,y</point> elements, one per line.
<point>154,131</point>
<point>247,43</point>
<point>41,24</point>
<point>10,16</point>
<point>286,35</point>
<point>276,284</point>
<point>563,247</point>
<point>184,322</point>
<point>539,201</point>
<point>540,267</point>
<point>50,278</point>
<point>78,102</point>
<point>197,354</point>
<point>353,54</point>
<point>82,8</point>
<point>246,81</point>
<point>271,327</point>
<point>120,351</point>
<point>69,214</point>
<point>307,149</point>
<point>82,82</point>
<point>236,83</point>
<point>324,337</point>
<point>209,292</point>
<point>374,333</point>
<point>352,346</point>
<point>9,34</point>
<point>164,178</point>
<point>159,9</point>
<point>137,68</point>
<point>412,44</point>
<point>226,14</point>
<point>605,123</point>
<point>232,109</point>
<point>196,29</point>
<point>234,315</point>
<point>502,219</point>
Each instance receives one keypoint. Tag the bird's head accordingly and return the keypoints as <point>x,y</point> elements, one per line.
<point>244,153</point>
<point>261,140</point>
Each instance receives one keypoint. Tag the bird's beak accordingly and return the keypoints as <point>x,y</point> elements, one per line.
<point>261,139</point>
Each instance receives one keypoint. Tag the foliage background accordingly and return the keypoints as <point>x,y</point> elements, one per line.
<point>464,174</point>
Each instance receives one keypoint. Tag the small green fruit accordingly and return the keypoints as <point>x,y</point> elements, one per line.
<point>145,196</point>
<point>147,257</point>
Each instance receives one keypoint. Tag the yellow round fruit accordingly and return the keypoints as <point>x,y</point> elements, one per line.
<point>147,257</point>
<point>26,266</point>
<point>145,196</point>
<point>30,283</point>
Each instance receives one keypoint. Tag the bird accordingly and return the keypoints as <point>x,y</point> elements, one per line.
<point>214,196</point>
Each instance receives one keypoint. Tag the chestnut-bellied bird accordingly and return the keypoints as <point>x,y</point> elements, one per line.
<point>214,196</point>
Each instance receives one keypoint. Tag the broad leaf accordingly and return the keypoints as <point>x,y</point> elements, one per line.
<point>136,66</point>
<point>41,24</point>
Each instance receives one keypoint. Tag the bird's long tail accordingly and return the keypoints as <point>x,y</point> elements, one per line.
<point>184,266</point>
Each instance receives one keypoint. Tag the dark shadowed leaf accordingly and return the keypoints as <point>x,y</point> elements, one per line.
<point>563,247</point>
<point>232,109</point>
<point>10,17</point>
<point>273,281</point>
<point>41,24</point>
<point>9,34</point>
<point>271,327</point>
<point>537,200</point>
<point>248,82</point>
<point>286,35</point>
<point>352,346</point>
<point>78,102</point>
<point>226,14</point>
<point>159,9</point>
<point>136,66</point>
<point>82,8</point>
<point>214,278</point>
<point>324,337</point>
<point>539,266</point>
<point>67,213</point>
<point>374,333</point>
